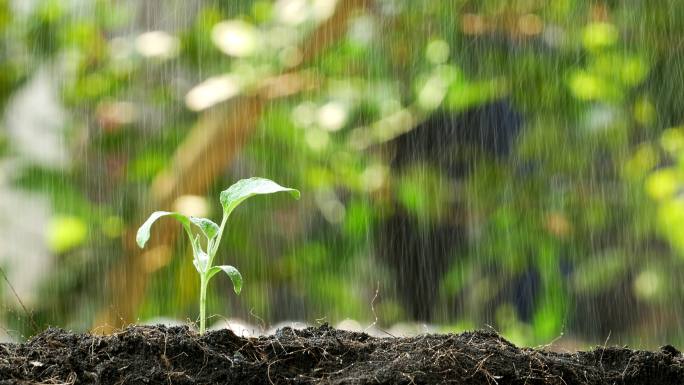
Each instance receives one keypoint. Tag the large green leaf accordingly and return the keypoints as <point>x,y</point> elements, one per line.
<point>144,231</point>
<point>246,188</point>
<point>232,272</point>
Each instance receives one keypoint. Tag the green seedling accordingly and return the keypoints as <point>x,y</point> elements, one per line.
<point>203,258</point>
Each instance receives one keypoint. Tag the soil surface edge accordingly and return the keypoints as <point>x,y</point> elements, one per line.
<point>320,355</point>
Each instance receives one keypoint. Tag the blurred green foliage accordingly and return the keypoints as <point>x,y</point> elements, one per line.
<point>595,222</point>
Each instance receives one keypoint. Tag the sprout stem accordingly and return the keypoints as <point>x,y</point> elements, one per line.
<point>203,303</point>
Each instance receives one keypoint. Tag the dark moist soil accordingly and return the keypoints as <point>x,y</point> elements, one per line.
<point>322,355</point>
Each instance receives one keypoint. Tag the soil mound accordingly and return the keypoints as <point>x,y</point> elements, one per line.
<point>322,355</point>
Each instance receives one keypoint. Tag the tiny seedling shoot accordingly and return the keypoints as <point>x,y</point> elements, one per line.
<point>203,258</point>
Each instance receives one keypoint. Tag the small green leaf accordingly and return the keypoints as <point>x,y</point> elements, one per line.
<point>246,188</point>
<point>232,272</point>
<point>199,258</point>
<point>208,227</point>
<point>144,231</point>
